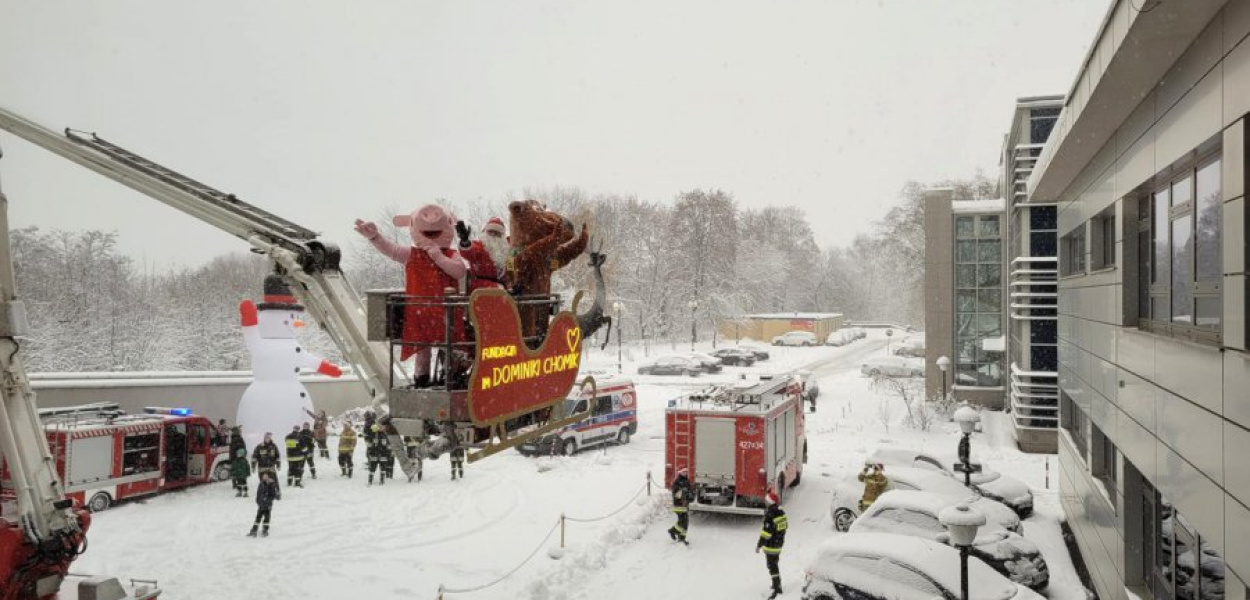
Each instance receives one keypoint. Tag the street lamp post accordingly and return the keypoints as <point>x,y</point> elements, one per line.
<point>617,306</point>
<point>967,419</point>
<point>694,332</point>
<point>944,364</point>
<point>962,522</point>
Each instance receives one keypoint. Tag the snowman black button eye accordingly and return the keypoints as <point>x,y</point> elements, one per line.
<point>297,349</point>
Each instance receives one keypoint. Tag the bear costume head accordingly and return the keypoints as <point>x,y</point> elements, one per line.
<point>430,226</point>
<point>530,221</point>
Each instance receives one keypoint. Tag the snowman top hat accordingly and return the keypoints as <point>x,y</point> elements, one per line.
<point>278,295</point>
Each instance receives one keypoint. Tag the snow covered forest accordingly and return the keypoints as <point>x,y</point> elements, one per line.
<point>93,309</point>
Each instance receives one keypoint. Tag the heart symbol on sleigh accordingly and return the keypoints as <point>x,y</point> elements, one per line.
<point>573,337</point>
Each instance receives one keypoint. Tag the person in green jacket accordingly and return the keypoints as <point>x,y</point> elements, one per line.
<point>239,469</point>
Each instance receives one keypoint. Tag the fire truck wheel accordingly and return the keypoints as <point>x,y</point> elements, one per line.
<point>842,519</point>
<point>797,478</point>
<point>100,502</point>
<point>623,436</point>
<point>569,448</point>
<point>222,472</point>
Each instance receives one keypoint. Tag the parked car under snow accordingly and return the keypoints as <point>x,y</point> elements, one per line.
<point>892,366</point>
<point>672,365</point>
<point>844,507</point>
<point>884,566</point>
<point>915,514</point>
<point>795,338</point>
<point>707,362</point>
<point>989,483</point>
<point>735,357</point>
<point>761,351</point>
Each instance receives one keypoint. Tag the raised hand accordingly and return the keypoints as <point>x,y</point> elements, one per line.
<point>367,228</point>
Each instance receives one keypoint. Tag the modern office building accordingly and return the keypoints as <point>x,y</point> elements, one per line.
<point>964,308</point>
<point>1147,167</point>
<point>1032,283</point>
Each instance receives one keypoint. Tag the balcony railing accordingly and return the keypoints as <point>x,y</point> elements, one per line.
<point>1034,398</point>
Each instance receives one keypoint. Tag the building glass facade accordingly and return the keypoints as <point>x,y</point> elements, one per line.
<point>978,300</point>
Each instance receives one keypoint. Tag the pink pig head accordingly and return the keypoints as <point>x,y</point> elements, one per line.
<point>430,226</point>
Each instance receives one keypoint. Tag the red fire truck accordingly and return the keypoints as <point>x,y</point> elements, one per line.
<point>738,442</point>
<point>105,456</point>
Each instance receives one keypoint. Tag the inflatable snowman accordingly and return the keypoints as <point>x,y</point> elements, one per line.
<point>276,399</point>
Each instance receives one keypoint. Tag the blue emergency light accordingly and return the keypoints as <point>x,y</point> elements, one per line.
<point>160,410</point>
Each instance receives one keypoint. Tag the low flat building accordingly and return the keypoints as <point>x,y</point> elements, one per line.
<point>765,326</point>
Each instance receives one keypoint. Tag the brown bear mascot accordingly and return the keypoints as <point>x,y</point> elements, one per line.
<point>542,242</point>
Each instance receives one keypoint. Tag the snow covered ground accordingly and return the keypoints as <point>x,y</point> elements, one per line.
<point>338,538</point>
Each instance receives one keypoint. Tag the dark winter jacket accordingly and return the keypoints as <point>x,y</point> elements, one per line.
<point>368,430</point>
<point>266,456</point>
<point>379,447</point>
<point>773,536</point>
<point>238,458</point>
<point>306,438</point>
<point>266,493</point>
<point>295,446</point>
<point>682,494</point>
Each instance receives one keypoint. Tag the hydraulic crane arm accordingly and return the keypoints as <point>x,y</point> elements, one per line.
<point>310,266</point>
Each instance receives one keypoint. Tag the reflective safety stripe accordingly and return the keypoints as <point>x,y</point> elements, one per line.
<point>679,509</point>
<point>679,529</point>
<point>768,550</point>
<point>781,522</point>
<point>764,534</point>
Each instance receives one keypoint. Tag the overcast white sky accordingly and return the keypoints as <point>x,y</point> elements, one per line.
<point>321,111</point>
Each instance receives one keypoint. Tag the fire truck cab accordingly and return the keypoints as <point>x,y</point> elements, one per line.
<point>612,418</point>
<point>738,442</point>
<point>104,455</point>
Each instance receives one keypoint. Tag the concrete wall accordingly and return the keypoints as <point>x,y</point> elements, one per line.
<point>216,397</point>
<point>1178,412</point>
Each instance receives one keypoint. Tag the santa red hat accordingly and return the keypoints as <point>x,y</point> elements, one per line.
<point>771,498</point>
<point>495,224</point>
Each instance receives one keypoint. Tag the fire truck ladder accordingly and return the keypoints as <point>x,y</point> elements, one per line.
<point>309,266</point>
<point>681,443</point>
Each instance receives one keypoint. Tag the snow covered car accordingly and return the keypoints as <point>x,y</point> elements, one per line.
<point>760,351</point>
<point>892,366</point>
<point>841,337</point>
<point>672,365</point>
<point>844,507</point>
<point>735,357</point>
<point>989,483</point>
<point>707,362</point>
<point>911,347</point>
<point>884,566</point>
<point>915,514</point>
<point>795,338</point>
<point>613,419</point>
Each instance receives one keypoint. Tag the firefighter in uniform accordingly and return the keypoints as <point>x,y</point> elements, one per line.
<point>376,451</point>
<point>347,447</point>
<point>307,439</point>
<point>875,484</point>
<point>321,424</point>
<point>388,457</point>
<point>772,538</point>
<point>239,470</point>
<point>265,458</point>
<point>681,506</point>
<point>414,453</point>
<point>295,458</point>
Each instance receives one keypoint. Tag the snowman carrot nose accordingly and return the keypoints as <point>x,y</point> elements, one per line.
<point>297,323</point>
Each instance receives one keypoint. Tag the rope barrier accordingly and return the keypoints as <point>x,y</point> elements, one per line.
<point>446,590</point>
<point>442,589</point>
<point>613,513</point>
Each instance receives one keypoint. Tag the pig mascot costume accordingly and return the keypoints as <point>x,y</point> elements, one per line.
<point>431,266</point>
<point>275,400</point>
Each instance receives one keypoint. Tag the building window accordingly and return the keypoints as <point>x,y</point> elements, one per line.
<point>1074,421</point>
<point>1104,465</point>
<point>1179,274</point>
<point>1072,259</point>
<point>1181,563</point>
<point>1104,233</point>
<point>978,301</point>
